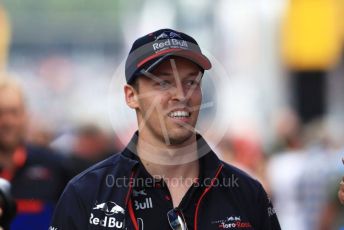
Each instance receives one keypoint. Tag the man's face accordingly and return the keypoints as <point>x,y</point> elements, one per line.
<point>12,119</point>
<point>169,100</point>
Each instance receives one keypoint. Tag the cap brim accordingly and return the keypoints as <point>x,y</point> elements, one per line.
<point>198,58</point>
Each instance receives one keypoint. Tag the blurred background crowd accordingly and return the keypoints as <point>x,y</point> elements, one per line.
<point>282,106</point>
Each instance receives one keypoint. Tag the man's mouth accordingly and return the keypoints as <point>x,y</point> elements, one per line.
<point>179,114</point>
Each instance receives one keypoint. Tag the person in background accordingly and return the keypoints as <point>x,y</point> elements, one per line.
<point>244,150</point>
<point>36,173</point>
<point>90,145</point>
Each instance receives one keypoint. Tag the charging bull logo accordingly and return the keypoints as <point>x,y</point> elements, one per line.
<point>161,36</point>
<point>113,218</point>
<point>109,208</point>
<point>166,35</point>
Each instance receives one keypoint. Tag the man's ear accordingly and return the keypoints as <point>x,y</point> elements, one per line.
<point>131,96</point>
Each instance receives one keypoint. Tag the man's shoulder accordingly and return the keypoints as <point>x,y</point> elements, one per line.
<point>98,183</point>
<point>115,166</point>
<point>41,152</point>
<point>240,181</point>
<point>243,179</point>
<point>44,156</point>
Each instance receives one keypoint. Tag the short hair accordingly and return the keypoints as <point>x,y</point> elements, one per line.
<point>135,84</point>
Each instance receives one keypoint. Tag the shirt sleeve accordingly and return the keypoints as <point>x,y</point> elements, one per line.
<point>69,213</point>
<point>268,218</point>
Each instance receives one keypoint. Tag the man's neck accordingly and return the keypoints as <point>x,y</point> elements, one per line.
<point>169,161</point>
<point>177,165</point>
<point>188,171</point>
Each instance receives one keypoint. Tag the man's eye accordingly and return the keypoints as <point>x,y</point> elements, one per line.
<point>191,83</point>
<point>164,84</point>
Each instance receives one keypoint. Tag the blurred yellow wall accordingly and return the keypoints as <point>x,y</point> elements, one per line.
<point>5,36</point>
<point>311,34</point>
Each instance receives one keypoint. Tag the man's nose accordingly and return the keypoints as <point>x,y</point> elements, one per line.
<point>179,92</point>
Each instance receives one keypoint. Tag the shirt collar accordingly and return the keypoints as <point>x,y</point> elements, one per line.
<point>209,162</point>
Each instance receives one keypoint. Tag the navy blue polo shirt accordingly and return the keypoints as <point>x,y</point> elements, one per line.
<point>151,200</point>
<point>232,199</point>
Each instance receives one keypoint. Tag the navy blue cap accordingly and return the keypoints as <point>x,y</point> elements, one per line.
<point>150,50</point>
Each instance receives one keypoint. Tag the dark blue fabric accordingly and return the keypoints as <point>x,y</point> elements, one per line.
<point>243,205</point>
<point>40,180</point>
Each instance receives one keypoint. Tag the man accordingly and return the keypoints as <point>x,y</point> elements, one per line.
<point>35,173</point>
<point>167,177</point>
